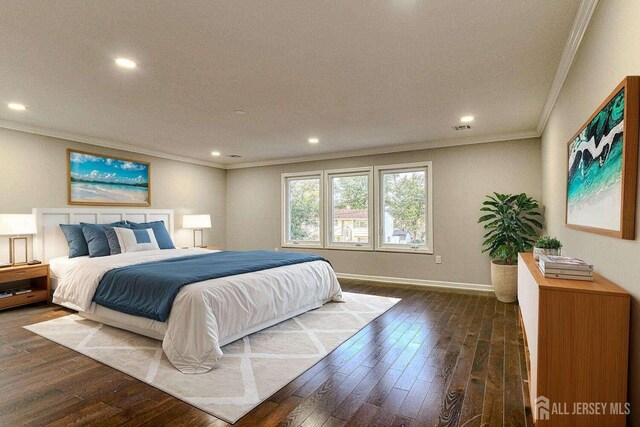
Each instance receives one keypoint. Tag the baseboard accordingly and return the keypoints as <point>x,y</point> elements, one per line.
<point>418,282</point>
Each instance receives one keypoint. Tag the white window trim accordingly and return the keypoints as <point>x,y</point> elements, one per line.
<point>329,244</point>
<point>379,200</point>
<point>284,241</point>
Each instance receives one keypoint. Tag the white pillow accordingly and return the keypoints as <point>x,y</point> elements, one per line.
<point>139,240</point>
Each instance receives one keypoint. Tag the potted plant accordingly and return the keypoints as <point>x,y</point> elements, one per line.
<point>546,245</point>
<point>512,222</point>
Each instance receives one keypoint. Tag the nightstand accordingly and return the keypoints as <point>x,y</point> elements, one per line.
<point>34,277</point>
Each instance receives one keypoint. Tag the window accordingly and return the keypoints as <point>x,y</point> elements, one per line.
<point>302,209</point>
<point>349,207</point>
<point>403,207</point>
<point>335,209</point>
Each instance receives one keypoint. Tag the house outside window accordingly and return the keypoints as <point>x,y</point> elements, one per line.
<point>349,208</point>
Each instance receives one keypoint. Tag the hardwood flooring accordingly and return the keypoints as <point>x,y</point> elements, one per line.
<point>435,359</point>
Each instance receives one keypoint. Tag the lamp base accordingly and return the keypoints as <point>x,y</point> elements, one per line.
<point>201,245</point>
<point>13,252</point>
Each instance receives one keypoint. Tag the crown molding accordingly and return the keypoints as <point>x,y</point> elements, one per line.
<point>442,143</point>
<point>22,127</point>
<point>579,28</point>
<point>70,136</point>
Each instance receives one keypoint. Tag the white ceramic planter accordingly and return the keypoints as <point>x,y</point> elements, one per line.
<point>538,252</point>
<point>504,279</point>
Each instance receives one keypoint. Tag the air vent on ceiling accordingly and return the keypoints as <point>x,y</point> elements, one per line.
<point>235,156</point>
<point>461,127</point>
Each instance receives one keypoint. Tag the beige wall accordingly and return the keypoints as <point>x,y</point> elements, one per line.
<point>33,173</point>
<point>609,52</point>
<point>461,178</point>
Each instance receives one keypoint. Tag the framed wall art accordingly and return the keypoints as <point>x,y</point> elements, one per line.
<point>602,166</point>
<point>98,180</point>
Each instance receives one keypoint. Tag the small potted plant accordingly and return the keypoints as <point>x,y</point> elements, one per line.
<point>546,245</point>
<point>511,222</point>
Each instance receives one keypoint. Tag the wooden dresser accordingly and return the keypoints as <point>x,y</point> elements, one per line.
<point>577,336</point>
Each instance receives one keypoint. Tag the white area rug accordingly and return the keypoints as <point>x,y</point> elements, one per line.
<point>252,368</point>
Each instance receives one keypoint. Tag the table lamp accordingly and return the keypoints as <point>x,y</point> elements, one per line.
<point>17,226</point>
<point>197,223</point>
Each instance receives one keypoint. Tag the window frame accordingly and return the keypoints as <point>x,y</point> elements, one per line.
<point>379,204</point>
<point>328,194</point>
<point>285,242</point>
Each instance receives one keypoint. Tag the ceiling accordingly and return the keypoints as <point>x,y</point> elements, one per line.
<point>357,74</point>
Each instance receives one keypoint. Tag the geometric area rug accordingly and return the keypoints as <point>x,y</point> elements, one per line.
<point>251,369</point>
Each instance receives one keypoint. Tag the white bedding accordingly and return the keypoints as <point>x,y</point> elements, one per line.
<point>205,315</point>
<point>60,266</point>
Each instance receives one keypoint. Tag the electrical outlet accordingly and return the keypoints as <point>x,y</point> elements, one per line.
<point>276,249</point>
<point>438,259</point>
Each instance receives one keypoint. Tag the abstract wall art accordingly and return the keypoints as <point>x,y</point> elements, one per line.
<point>602,166</point>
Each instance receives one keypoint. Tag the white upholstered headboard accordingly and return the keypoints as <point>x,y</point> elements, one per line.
<point>50,242</point>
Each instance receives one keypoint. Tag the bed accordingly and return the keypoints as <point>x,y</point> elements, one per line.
<point>205,315</point>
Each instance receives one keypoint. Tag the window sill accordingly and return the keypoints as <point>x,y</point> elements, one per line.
<point>334,246</point>
<point>301,245</point>
<point>421,251</point>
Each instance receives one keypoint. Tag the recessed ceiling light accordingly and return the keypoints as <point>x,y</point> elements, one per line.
<point>313,140</point>
<point>215,153</point>
<point>240,112</point>
<point>16,106</point>
<point>466,119</point>
<point>126,63</point>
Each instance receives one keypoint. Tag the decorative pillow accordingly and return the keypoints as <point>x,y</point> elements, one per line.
<point>160,231</point>
<point>136,240</point>
<point>112,239</point>
<point>96,238</point>
<point>75,240</point>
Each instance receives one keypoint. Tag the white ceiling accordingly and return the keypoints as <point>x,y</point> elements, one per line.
<point>358,74</point>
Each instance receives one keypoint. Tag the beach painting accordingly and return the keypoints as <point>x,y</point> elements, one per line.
<point>596,169</point>
<point>107,181</point>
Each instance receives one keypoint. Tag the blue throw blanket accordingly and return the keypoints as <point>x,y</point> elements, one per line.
<point>148,290</point>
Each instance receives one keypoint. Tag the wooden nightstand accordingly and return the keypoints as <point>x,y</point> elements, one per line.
<point>35,277</point>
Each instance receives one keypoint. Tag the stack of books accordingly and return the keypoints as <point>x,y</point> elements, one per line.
<point>560,267</point>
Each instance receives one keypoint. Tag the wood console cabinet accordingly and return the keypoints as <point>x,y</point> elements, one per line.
<point>577,336</point>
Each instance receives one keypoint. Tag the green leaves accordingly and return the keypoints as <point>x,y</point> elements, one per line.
<point>511,225</point>
<point>548,242</point>
<point>405,199</point>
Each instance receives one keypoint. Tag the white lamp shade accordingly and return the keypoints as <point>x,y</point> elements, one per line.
<point>17,224</point>
<point>196,221</point>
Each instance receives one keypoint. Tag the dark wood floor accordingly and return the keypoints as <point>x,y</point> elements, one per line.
<point>435,359</point>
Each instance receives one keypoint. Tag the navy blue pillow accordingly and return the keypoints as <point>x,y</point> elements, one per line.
<point>160,231</point>
<point>75,239</point>
<point>112,238</point>
<point>96,237</point>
